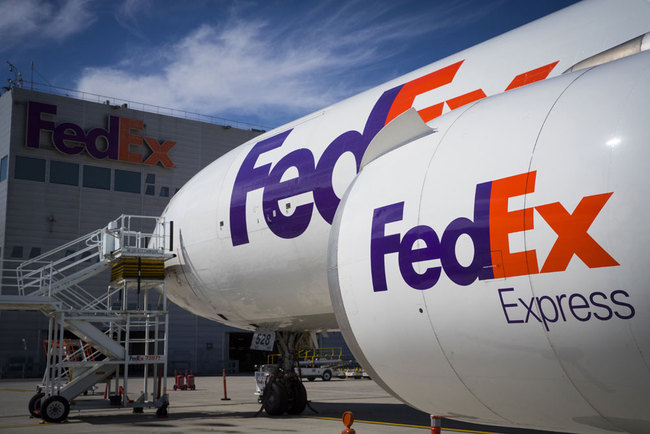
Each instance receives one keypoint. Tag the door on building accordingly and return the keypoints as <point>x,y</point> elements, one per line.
<point>239,348</point>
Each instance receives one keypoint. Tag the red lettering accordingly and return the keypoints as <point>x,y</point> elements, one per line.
<point>410,90</point>
<point>572,234</point>
<point>159,152</point>
<point>460,101</point>
<point>431,112</point>
<point>444,76</point>
<point>127,139</point>
<point>503,223</point>
<point>531,76</point>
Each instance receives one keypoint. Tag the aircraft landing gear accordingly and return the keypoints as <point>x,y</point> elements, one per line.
<point>284,391</point>
<point>275,398</point>
<point>298,401</point>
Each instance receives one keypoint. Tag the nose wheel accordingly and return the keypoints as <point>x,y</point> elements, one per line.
<point>284,391</point>
<point>286,395</point>
<point>275,398</point>
<point>297,397</point>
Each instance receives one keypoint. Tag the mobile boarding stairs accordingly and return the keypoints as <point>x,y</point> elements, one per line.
<point>128,315</point>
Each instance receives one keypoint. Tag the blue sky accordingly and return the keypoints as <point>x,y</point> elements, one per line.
<point>264,62</point>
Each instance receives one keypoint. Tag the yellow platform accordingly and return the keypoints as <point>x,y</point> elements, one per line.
<point>132,268</point>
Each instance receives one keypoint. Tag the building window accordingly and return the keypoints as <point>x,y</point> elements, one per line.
<point>64,173</point>
<point>150,190</point>
<point>3,168</point>
<point>97,177</point>
<point>32,169</point>
<point>151,178</point>
<point>127,181</point>
<point>17,252</point>
<point>164,191</point>
<point>34,252</point>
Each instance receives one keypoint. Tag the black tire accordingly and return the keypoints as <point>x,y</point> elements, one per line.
<point>297,397</point>
<point>327,375</point>
<point>311,378</point>
<point>55,409</point>
<point>34,405</point>
<point>162,411</point>
<point>275,399</point>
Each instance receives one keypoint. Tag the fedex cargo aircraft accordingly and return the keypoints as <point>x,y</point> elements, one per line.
<point>475,228</point>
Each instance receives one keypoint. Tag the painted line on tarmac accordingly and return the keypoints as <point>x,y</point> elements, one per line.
<point>15,390</point>
<point>27,425</point>
<point>404,425</point>
<point>369,421</point>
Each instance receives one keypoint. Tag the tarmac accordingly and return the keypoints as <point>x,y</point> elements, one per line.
<point>204,410</point>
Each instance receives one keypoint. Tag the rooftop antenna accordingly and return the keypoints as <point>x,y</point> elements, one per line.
<point>17,81</point>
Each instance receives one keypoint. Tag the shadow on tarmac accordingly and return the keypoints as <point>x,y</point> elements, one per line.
<point>375,412</point>
<point>405,415</point>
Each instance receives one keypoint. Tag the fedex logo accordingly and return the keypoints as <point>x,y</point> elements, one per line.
<point>113,143</point>
<point>489,230</point>
<point>316,176</point>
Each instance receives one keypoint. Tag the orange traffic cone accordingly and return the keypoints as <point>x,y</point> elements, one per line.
<point>348,420</point>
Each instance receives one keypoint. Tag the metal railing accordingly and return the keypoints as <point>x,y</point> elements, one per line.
<point>139,232</point>
<point>111,329</point>
<point>150,108</point>
<point>311,355</point>
<point>56,269</point>
<point>57,272</point>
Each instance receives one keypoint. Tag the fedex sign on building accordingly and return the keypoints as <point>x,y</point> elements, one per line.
<point>118,141</point>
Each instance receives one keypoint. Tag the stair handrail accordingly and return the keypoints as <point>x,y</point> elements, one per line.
<point>42,276</point>
<point>84,352</point>
<point>121,229</point>
<point>154,240</point>
<point>64,259</point>
<point>52,280</point>
<point>41,257</point>
<point>49,277</point>
<point>103,299</point>
<point>74,297</point>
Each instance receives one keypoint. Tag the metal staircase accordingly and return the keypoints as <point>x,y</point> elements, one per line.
<point>117,329</point>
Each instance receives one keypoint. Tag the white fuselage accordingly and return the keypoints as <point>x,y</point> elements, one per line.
<point>501,255</point>
<point>279,202</point>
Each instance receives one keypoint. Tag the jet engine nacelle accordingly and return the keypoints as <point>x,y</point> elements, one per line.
<point>503,258</point>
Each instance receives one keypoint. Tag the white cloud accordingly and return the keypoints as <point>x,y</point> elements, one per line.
<point>35,22</point>
<point>248,66</point>
<point>130,12</point>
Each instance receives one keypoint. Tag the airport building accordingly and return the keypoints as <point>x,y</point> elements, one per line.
<point>68,166</point>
